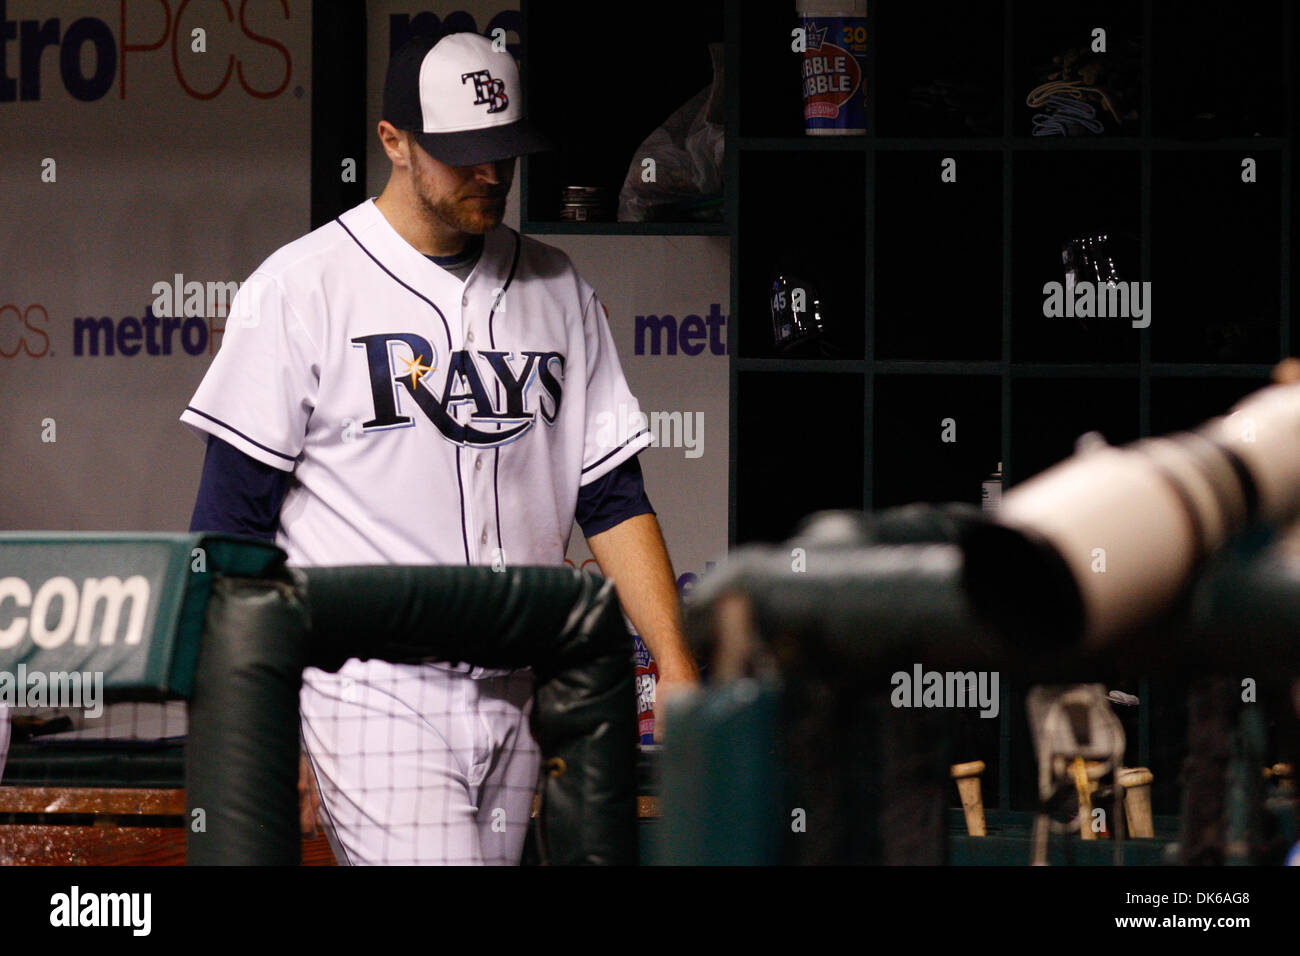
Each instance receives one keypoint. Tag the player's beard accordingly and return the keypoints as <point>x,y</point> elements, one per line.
<point>474,216</point>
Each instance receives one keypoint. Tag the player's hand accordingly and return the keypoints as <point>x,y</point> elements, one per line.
<point>308,797</point>
<point>674,681</point>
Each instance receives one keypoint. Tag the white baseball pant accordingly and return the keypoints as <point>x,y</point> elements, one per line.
<point>417,764</point>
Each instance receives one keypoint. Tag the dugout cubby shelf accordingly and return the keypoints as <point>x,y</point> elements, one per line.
<point>783,234</point>
<point>1059,196</point>
<point>951,274</point>
<point>602,89</point>
<point>950,85</point>
<point>938,289</point>
<point>1222,292</point>
<point>802,448</point>
<point>937,437</point>
<point>1233,87</point>
<point>1045,35</point>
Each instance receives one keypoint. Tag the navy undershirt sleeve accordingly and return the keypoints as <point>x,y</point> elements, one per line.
<point>613,498</point>
<point>238,494</point>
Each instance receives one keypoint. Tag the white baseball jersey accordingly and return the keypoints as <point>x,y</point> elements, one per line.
<point>427,421</point>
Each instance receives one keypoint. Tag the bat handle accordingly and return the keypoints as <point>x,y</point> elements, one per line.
<point>967,776</point>
<point>1136,782</point>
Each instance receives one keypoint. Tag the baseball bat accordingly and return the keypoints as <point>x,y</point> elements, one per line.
<point>967,776</point>
<point>1136,782</point>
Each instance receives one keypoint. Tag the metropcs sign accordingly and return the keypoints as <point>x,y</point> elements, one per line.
<point>26,613</point>
<point>89,55</point>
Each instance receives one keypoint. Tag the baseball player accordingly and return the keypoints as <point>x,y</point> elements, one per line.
<point>416,383</point>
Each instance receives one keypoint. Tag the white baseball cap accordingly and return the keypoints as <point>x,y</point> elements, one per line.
<point>461,98</point>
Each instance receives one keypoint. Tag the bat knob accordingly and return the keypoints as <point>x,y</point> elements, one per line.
<point>967,776</point>
<point>1136,782</point>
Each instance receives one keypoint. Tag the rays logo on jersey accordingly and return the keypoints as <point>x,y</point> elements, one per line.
<point>487,90</point>
<point>498,416</point>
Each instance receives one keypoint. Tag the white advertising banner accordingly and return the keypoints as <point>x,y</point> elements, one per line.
<point>153,153</point>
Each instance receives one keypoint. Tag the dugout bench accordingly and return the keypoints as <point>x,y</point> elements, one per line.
<point>124,804</point>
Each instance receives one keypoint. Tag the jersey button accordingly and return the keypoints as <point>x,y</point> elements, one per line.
<point>478,465</point>
<point>464,300</point>
<point>469,337</point>
<point>483,538</point>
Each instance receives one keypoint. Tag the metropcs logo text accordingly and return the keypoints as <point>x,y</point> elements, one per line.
<point>20,330</point>
<point>660,334</point>
<point>75,608</point>
<point>89,56</point>
<point>181,310</point>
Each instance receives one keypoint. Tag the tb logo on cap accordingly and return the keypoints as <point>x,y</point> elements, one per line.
<point>487,90</point>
